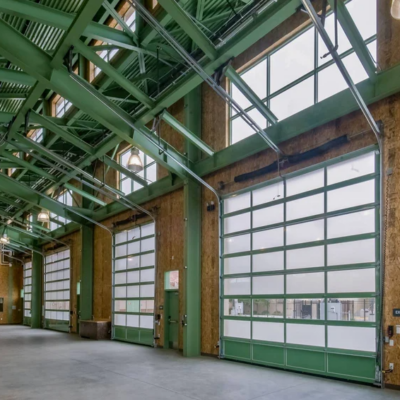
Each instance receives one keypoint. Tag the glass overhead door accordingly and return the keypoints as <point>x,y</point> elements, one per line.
<point>57,291</point>
<point>300,272</point>
<point>27,292</point>
<point>134,285</point>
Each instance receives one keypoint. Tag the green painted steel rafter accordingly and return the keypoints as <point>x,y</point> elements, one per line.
<point>355,38</point>
<point>250,95</point>
<point>183,130</point>
<point>190,28</point>
<point>85,194</point>
<point>17,77</point>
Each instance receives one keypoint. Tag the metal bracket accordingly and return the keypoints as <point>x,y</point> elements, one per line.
<point>68,59</point>
<point>219,73</point>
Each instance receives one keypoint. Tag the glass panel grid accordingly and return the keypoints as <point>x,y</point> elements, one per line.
<point>134,279</point>
<point>298,286</point>
<point>57,271</point>
<point>27,289</point>
<point>298,76</point>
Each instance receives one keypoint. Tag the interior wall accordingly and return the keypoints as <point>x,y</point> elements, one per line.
<point>11,284</point>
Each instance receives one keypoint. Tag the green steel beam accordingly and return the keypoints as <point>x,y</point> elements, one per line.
<point>250,95</point>
<point>8,165</point>
<point>109,70</point>
<point>192,242</point>
<point>6,117</point>
<point>10,202</point>
<point>85,194</point>
<point>355,38</point>
<point>62,20</point>
<point>13,95</point>
<point>114,165</point>
<point>37,287</point>
<point>189,27</point>
<point>199,16</point>
<point>185,132</point>
<point>17,77</point>
<point>63,133</point>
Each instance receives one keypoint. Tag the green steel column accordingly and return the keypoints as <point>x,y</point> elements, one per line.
<point>10,292</point>
<point>192,246</point>
<point>87,256</point>
<point>37,290</point>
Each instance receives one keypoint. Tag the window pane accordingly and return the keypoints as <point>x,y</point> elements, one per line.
<point>237,223</point>
<point>236,203</point>
<point>237,307</point>
<point>268,261</point>
<point>238,329</point>
<point>237,286</point>
<point>272,284</point>
<point>241,130</point>
<point>268,216</point>
<point>237,265</point>
<point>351,196</point>
<point>305,283</point>
<point>268,331</point>
<point>294,99</point>
<point>268,193</point>
<point>292,61</point>
<point>351,169</point>
<point>364,15</point>
<point>305,182</point>
<point>352,281</point>
<point>352,338</point>
<point>305,207</point>
<point>306,232</point>
<point>237,244</point>
<point>268,308</point>
<point>310,257</point>
<point>151,173</point>
<point>305,308</point>
<point>359,310</point>
<point>361,251</point>
<point>351,224</point>
<point>268,239</point>
<point>308,335</point>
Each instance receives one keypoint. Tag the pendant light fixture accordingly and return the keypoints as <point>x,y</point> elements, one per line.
<point>395,10</point>
<point>135,164</point>
<point>43,216</point>
<point>5,239</point>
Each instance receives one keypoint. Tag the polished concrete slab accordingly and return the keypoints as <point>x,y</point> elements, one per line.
<point>46,365</point>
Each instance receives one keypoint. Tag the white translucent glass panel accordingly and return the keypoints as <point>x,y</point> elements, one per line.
<point>120,278</point>
<point>292,61</point>
<point>351,224</point>
<point>268,239</point>
<point>305,207</point>
<point>343,42</point>
<point>146,321</point>
<point>237,329</point>
<point>120,319</point>
<point>352,281</point>
<point>331,81</point>
<point>146,260</point>
<point>148,230</point>
<point>236,286</point>
<point>268,193</point>
<point>147,275</point>
<point>237,265</point>
<point>268,216</point>
<point>305,283</point>
<point>120,237</point>
<point>272,284</point>
<point>256,78</point>
<point>237,203</point>
<point>358,252</point>
<point>241,130</point>
<point>147,245</point>
<point>305,182</point>
<point>352,338</point>
<point>268,331</point>
<point>372,47</point>
<point>351,196</point>
<point>309,257</point>
<point>121,250</point>
<point>133,247</point>
<point>237,223</point>
<point>133,262</point>
<point>237,307</point>
<point>133,291</point>
<point>132,321</point>
<point>135,233</point>
<point>308,335</point>
<point>350,169</point>
<point>268,261</point>
<point>294,99</point>
<point>120,292</point>
<point>306,232</point>
<point>146,290</point>
<point>133,277</point>
<point>120,306</point>
<point>364,15</point>
<point>237,244</point>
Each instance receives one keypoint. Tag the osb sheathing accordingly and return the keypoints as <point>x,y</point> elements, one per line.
<point>14,276</point>
<point>169,256</point>
<point>74,242</point>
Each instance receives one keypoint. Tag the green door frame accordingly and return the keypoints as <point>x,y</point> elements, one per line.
<point>166,313</point>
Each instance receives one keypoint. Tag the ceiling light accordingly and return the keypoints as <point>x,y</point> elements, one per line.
<point>43,216</point>
<point>395,10</point>
<point>5,239</point>
<point>135,163</point>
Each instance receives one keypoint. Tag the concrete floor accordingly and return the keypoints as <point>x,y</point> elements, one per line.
<point>45,365</point>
